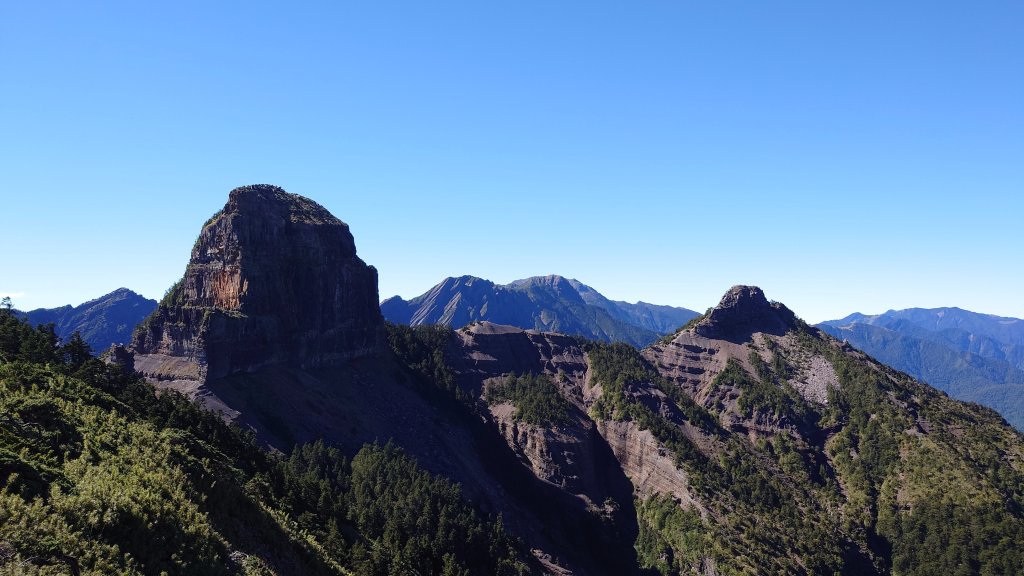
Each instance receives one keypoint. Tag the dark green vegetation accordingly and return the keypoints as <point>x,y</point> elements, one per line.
<point>617,367</point>
<point>973,357</point>
<point>947,502</point>
<point>671,539</point>
<point>891,476</point>
<point>549,303</point>
<point>770,394</point>
<point>106,320</point>
<point>535,397</point>
<point>421,349</point>
<point>100,475</point>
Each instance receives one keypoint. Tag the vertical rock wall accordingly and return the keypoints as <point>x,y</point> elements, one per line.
<point>274,279</point>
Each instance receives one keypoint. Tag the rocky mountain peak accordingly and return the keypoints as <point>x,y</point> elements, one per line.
<point>743,311</point>
<point>263,200</point>
<point>740,296</point>
<point>273,279</point>
<point>121,293</point>
<point>464,280</point>
<point>551,280</point>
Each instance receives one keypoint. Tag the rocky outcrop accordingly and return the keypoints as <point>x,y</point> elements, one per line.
<point>274,279</point>
<point>650,467</point>
<point>742,312</point>
<point>757,335</point>
<point>559,454</point>
<point>485,350</point>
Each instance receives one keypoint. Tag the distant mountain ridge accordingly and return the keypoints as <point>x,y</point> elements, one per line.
<point>104,321</point>
<point>549,303</point>
<point>971,356</point>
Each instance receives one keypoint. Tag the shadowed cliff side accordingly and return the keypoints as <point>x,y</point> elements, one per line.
<point>274,279</point>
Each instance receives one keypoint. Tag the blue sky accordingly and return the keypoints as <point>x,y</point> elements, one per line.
<point>843,156</point>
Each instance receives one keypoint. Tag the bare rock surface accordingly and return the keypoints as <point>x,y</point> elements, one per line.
<point>650,467</point>
<point>274,279</point>
<point>743,311</point>
<point>570,455</point>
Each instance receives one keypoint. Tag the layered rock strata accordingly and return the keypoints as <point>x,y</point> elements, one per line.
<point>274,279</point>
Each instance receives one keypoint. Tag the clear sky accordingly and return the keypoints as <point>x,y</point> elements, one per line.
<point>845,156</point>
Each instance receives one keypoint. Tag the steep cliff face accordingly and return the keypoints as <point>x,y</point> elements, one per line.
<point>565,453</point>
<point>274,279</point>
<point>586,456</point>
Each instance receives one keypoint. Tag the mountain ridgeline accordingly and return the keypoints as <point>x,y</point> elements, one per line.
<point>973,357</point>
<point>107,320</point>
<point>546,303</point>
<point>747,442</point>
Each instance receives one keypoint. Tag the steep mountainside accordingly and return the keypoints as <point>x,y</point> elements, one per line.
<point>973,357</point>
<point>550,303</point>
<point>757,444</point>
<point>109,319</point>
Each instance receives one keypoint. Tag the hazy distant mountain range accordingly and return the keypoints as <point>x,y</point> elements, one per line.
<point>547,303</point>
<point>971,356</point>
<point>106,320</point>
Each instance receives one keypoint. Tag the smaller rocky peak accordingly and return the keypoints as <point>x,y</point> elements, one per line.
<point>553,280</point>
<point>748,298</point>
<point>121,293</point>
<point>118,295</point>
<point>392,301</point>
<point>742,312</point>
